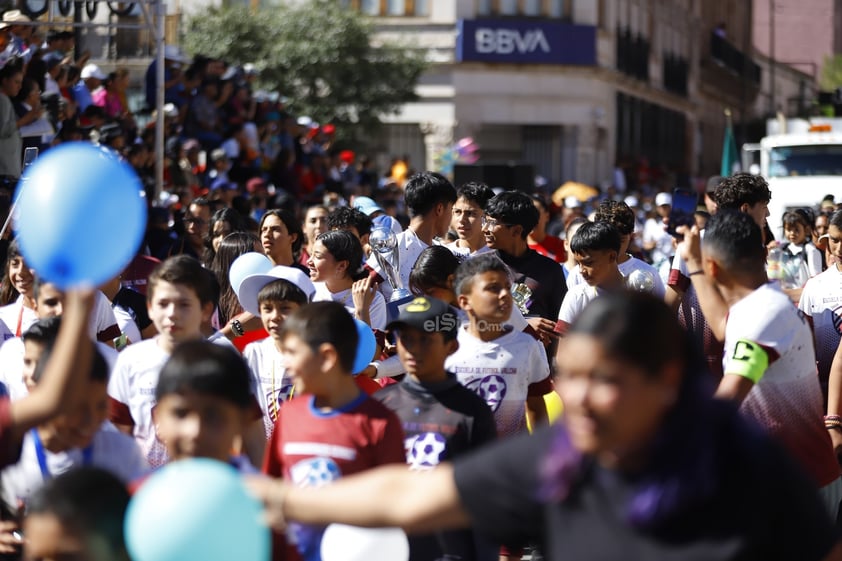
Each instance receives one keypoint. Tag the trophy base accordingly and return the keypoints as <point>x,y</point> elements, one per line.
<point>399,294</point>
<point>396,303</point>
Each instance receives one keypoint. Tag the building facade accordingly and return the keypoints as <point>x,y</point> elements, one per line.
<point>575,88</point>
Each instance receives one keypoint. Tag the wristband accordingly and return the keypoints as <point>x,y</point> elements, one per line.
<point>699,272</point>
<point>237,328</point>
<point>376,365</point>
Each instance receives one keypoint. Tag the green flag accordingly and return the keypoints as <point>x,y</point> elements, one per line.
<point>729,149</point>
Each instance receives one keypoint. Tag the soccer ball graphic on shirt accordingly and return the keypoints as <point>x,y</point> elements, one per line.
<point>490,388</point>
<point>424,451</point>
<point>315,472</point>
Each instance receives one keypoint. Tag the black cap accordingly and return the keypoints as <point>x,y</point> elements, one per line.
<point>427,314</point>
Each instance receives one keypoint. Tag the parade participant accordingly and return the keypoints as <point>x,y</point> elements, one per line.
<point>204,403</point>
<point>429,197</point>
<point>16,292</point>
<point>276,299</point>
<point>442,419</point>
<point>467,219</point>
<point>621,216</point>
<point>504,366</point>
<point>79,437</point>
<point>331,429</point>
<point>596,246</point>
<point>769,363</point>
<point>741,192</point>
<point>820,301</point>
<point>539,240</point>
<point>336,271</point>
<point>315,222</point>
<point>78,515</point>
<point>509,217</point>
<point>180,299</point>
<point>646,465</point>
<point>798,231</point>
<point>281,237</point>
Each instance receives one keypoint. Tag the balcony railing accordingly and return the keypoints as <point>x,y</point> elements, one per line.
<point>633,54</point>
<point>729,56</point>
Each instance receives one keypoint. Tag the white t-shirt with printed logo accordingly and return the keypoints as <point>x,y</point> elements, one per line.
<point>269,379</point>
<point>500,372</point>
<point>821,299</point>
<point>132,386</point>
<point>110,450</point>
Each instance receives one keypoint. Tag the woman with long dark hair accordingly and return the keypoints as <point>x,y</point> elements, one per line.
<point>645,465</point>
<point>231,247</point>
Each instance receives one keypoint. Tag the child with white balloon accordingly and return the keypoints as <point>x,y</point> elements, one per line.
<point>330,429</point>
<point>272,296</point>
<point>639,274</point>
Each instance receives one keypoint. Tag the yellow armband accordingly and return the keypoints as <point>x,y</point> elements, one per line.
<point>749,360</point>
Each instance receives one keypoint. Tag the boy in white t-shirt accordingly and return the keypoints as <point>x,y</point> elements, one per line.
<point>273,297</point>
<point>467,220</point>
<point>595,246</point>
<point>19,355</point>
<point>619,215</point>
<point>507,368</point>
<point>80,437</point>
<point>180,299</point>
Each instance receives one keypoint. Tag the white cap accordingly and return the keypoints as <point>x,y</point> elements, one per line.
<point>92,71</point>
<point>572,202</point>
<point>252,284</point>
<point>663,199</point>
<point>631,200</point>
<point>172,52</point>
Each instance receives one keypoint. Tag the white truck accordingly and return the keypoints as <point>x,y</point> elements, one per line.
<point>801,160</point>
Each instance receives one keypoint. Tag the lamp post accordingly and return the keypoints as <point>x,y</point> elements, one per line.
<point>772,108</point>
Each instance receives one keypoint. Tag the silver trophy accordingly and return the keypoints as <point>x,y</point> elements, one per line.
<point>384,246</point>
<point>642,281</point>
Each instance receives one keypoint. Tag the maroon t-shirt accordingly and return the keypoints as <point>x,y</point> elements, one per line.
<point>310,447</point>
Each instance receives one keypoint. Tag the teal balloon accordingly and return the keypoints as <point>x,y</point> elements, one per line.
<point>366,346</point>
<point>196,510</point>
<point>81,215</point>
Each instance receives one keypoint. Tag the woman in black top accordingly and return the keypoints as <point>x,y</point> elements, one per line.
<point>645,466</point>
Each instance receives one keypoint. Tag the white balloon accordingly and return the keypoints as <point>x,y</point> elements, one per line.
<point>642,281</point>
<point>350,543</point>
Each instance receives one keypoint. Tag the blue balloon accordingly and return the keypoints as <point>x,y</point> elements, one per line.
<point>196,510</point>
<point>366,346</point>
<point>81,215</point>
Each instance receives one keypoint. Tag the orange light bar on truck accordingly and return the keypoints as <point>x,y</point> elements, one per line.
<point>819,128</point>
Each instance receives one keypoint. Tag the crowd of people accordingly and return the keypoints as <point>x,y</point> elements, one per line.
<point>701,393</point>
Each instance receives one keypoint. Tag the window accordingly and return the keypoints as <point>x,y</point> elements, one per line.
<point>531,8</point>
<point>390,7</point>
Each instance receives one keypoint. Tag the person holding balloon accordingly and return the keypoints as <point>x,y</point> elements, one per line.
<point>17,291</point>
<point>331,429</point>
<point>272,296</point>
